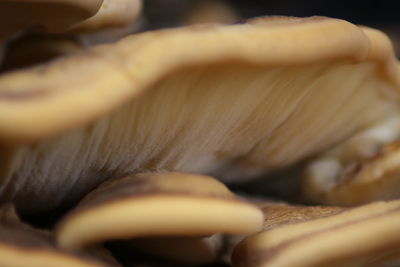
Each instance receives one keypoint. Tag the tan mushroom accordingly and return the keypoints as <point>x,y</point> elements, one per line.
<point>375,177</point>
<point>235,102</point>
<point>21,245</point>
<point>130,106</point>
<point>112,13</point>
<point>363,236</point>
<point>53,15</point>
<point>174,210</point>
<point>88,17</point>
<point>277,214</point>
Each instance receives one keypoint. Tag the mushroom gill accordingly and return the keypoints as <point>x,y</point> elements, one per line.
<point>230,101</point>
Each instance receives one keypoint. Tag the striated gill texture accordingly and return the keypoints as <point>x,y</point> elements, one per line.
<point>232,120</point>
<point>228,119</point>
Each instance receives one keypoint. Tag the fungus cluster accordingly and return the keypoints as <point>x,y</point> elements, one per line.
<point>135,143</point>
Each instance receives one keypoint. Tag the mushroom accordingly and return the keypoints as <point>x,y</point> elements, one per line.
<point>174,210</point>
<point>141,206</point>
<point>71,16</point>
<point>362,236</point>
<point>235,102</point>
<point>372,178</point>
<point>188,109</point>
<point>61,16</point>
<point>22,245</point>
<point>112,13</point>
<point>53,15</point>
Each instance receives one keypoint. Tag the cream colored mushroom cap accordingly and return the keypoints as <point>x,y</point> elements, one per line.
<point>157,205</point>
<point>233,102</point>
<point>48,99</point>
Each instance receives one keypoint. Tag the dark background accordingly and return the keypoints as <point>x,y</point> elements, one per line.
<point>373,13</point>
<point>383,14</point>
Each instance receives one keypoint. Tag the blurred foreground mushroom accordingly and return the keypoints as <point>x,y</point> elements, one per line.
<point>112,13</point>
<point>54,16</point>
<point>65,15</point>
<point>22,245</point>
<point>89,19</point>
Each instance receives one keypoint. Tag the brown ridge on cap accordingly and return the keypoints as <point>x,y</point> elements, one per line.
<point>114,66</point>
<point>278,215</point>
<point>374,230</point>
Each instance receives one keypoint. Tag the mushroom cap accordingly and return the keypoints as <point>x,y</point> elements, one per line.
<point>53,15</point>
<point>22,245</point>
<point>103,86</point>
<point>240,104</point>
<point>65,15</point>
<point>112,13</point>
<point>373,178</point>
<point>362,236</point>
<point>157,205</point>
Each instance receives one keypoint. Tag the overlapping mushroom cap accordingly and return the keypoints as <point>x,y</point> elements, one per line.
<point>62,16</point>
<point>233,101</point>
<point>23,245</point>
<point>324,236</point>
<point>54,16</point>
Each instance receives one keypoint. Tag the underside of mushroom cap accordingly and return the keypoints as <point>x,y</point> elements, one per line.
<point>239,105</point>
<point>184,250</point>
